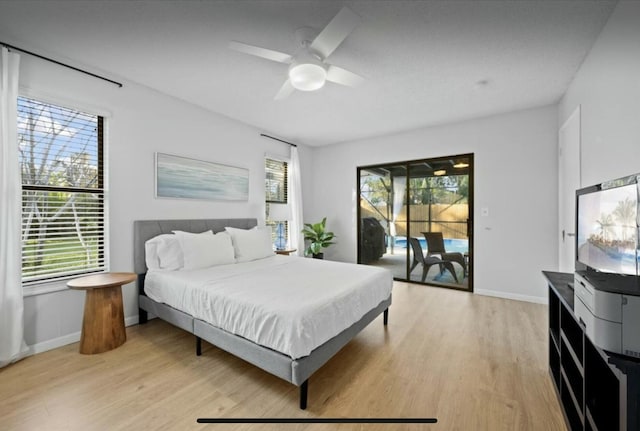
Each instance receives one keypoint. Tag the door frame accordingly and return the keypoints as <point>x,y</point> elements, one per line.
<point>470,222</point>
<point>567,233</point>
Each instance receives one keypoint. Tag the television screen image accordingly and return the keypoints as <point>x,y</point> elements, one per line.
<point>607,230</point>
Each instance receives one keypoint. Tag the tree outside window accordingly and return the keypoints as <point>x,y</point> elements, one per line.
<point>62,191</point>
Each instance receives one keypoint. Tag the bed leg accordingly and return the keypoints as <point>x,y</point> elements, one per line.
<point>303,394</point>
<point>385,318</point>
<point>142,316</point>
<point>198,346</point>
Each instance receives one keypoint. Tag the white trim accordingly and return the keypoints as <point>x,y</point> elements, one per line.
<point>514,296</point>
<point>47,287</point>
<point>64,101</point>
<point>567,187</point>
<point>54,343</point>
<point>68,339</point>
<point>106,194</point>
<point>39,287</point>
<point>576,112</point>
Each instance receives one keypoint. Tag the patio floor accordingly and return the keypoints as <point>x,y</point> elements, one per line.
<point>396,263</point>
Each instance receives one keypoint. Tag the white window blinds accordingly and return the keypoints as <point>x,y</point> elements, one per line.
<point>63,221</point>
<point>276,181</point>
<point>276,185</point>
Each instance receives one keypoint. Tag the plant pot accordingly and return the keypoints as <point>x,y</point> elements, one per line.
<point>318,256</point>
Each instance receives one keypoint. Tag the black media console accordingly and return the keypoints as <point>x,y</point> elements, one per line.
<point>597,390</point>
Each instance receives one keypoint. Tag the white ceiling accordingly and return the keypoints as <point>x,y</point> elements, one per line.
<point>425,62</point>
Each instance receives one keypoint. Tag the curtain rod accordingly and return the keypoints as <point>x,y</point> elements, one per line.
<point>15,48</point>
<point>277,139</point>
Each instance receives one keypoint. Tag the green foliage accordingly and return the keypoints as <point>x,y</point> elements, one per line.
<point>375,190</point>
<point>318,237</point>
<point>448,189</point>
<point>44,256</point>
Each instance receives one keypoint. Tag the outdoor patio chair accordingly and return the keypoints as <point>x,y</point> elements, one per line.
<point>429,261</point>
<point>435,246</point>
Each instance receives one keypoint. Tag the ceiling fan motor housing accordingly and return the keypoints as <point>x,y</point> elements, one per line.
<point>307,72</point>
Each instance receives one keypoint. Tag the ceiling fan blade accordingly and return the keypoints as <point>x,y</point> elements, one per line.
<point>285,90</point>
<point>269,54</point>
<point>344,77</point>
<point>335,32</point>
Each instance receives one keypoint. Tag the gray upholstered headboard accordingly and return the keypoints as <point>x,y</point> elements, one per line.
<point>144,230</point>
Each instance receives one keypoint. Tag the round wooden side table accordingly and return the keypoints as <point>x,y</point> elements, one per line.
<point>103,322</point>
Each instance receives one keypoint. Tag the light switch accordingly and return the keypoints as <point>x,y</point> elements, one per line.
<point>484,212</point>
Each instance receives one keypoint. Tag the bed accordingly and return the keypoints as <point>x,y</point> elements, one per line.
<point>285,338</point>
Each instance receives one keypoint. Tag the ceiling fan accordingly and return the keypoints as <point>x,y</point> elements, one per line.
<point>308,69</point>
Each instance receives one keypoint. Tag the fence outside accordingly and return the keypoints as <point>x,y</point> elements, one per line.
<point>450,219</point>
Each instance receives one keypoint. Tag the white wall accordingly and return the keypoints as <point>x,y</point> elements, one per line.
<point>515,177</point>
<point>139,122</point>
<point>515,172</point>
<point>607,87</point>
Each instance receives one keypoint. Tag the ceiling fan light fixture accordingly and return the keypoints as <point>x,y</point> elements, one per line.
<point>307,76</point>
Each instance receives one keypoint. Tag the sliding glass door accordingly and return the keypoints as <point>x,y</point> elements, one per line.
<point>382,215</point>
<point>415,220</point>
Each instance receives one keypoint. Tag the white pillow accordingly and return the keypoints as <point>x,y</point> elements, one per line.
<point>251,244</point>
<point>203,250</point>
<point>163,252</point>
<point>151,257</point>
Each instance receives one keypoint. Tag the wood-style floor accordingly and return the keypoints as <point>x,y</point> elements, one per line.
<point>472,362</point>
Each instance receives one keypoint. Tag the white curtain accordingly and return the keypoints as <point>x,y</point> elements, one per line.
<point>12,345</point>
<point>295,196</point>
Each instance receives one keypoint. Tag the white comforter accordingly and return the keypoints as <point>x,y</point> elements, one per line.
<point>289,304</point>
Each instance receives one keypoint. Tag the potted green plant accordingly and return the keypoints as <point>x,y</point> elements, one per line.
<point>318,238</point>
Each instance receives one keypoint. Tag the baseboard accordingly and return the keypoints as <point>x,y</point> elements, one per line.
<point>67,339</point>
<point>53,343</point>
<point>514,296</point>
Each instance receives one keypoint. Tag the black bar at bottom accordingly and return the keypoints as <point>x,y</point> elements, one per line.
<point>198,346</point>
<point>317,420</point>
<point>385,318</point>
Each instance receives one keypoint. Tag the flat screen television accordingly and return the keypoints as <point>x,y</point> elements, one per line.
<point>607,227</point>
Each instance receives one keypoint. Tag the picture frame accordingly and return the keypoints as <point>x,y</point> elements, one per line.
<point>178,177</point>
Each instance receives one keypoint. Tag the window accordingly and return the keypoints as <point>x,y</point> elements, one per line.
<point>63,213</point>
<point>276,189</point>
<point>276,181</point>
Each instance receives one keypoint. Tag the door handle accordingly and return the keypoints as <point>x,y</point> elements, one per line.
<point>571,234</point>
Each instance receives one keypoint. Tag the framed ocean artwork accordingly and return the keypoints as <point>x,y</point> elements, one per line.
<point>185,178</point>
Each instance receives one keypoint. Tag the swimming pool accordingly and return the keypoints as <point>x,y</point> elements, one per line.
<point>450,244</point>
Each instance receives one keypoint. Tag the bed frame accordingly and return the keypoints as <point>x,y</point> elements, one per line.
<point>296,371</point>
